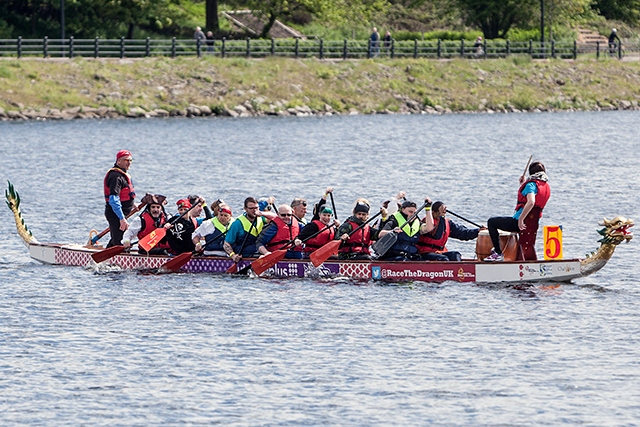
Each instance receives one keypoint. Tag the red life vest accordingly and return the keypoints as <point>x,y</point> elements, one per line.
<point>126,193</point>
<point>426,243</point>
<point>359,241</point>
<point>148,225</point>
<point>321,239</point>
<point>544,192</point>
<point>285,234</point>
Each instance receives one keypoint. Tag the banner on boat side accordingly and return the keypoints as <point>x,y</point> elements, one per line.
<point>552,242</point>
<point>425,272</point>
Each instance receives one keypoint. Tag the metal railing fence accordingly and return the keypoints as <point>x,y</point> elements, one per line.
<point>299,48</point>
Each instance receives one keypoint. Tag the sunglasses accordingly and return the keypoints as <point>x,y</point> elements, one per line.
<point>285,215</point>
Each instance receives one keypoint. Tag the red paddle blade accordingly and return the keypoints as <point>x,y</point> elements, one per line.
<point>261,265</point>
<point>152,239</point>
<point>107,253</point>
<point>177,263</point>
<point>321,255</point>
<point>233,269</point>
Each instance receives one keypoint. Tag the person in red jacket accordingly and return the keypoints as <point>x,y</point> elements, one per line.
<point>119,196</point>
<point>357,245</point>
<point>533,195</point>
<point>318,223</point>
<point>282,231</point>
<point>152,217</point>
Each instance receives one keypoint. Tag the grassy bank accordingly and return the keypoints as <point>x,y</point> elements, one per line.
<point>273,84</point>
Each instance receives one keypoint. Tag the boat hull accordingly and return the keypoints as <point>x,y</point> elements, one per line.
<point>464,271</point>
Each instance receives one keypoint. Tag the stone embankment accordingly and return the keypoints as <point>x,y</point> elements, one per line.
<point>247,109</point>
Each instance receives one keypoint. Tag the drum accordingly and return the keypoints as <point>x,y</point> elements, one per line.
<point>508,244</point>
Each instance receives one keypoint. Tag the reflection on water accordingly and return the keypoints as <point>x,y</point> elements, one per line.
<point>133,349</point>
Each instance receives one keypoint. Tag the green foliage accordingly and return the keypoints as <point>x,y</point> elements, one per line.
<point>4,72</point>
<point>496,17</point>
<point>624,10</point>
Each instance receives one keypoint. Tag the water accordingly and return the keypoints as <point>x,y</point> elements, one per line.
<point>129,349</point>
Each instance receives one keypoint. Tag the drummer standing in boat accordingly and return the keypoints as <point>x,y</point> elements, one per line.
<point>533,195</point>
<point>119,196</point>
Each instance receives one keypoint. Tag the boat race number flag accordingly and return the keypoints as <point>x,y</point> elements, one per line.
<point>552,241</point>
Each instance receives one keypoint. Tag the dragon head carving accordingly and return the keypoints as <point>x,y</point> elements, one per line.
<point>616,231</point>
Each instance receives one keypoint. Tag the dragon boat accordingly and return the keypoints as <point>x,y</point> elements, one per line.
<point>615,231</point>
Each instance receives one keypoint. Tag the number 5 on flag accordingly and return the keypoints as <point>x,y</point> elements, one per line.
<point>552,242</point>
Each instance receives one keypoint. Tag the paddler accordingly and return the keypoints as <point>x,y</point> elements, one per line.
<point>119,196</point>
<point>153,216</point>
<point>357,245</point>
<point>319,222</point>
<point>299,207</point>
<point>181,228</point>
<point>533,195</point>
<point>432,244</point>
<point>408,233</point>
<point>240,241</point>
<point>209,236</point>
<point>282,231</point>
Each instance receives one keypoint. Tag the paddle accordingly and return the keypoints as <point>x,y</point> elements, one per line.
<point>153,238</point>
<point>177,262</point>
<point>234,267</point>
<point>319,256</point>
<point>105,254</point>
<point>94,240</point>
<point>463,218</point>
<point>526,168</point>
<point>382,245</point>
<point>264,263</point>
<point>333,205</point>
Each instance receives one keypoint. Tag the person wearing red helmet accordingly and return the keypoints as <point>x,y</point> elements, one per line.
<point>181,228</point>
<point>119,196</point>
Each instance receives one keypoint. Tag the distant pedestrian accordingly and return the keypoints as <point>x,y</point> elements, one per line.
<point>387,41</point>
<point>613,46</point>
<point>478,46</point>
<point>199,35</point>
<point>374,42</point>
<point>210,42</point>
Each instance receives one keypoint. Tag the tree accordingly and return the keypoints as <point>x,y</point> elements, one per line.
<point>496,17</point>
<point>211,12</point>
<point>624,10</point>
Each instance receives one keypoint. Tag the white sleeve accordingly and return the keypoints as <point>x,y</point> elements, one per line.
<point>133,230</point>
<point>204,229</point>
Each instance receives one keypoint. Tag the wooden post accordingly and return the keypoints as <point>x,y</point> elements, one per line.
<point>96,47</point>
<point>321,52</point>
<point>71,39</point>
<point>173,47</point>
<point>248,53</point>
<point>462,48</point>
<point>439,49</point>
<point>121,47</point>
<point>297,46</point>
<point>508,48</point>
<point>575,49</point>
<point>393,48</point>
<point>415,48</point>
<point>598,50</point>
<point>198,48</point>
<point>223,49</point>
<point>19,47</point>
<point>273,46</point>
<point>45,46</point>
<point>147,50</point>
<point>344,50</point>
<point>553,48</point>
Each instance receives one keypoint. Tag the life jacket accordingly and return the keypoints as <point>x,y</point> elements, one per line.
<point>407,240</point>
<point>426,242</point>
<point>544,192</point>
<point>284,235</point>
<point>126,193</point>
<point>250,246</point>
<point>359,241</point>
<point>321,239</point>
<point>149,224</point>
<point>215,241</point>
<point>179,236</point>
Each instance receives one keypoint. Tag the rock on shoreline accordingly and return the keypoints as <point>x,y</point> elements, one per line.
<point>247,110</point>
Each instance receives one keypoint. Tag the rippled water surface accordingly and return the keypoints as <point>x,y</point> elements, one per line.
<point>80,348</point>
